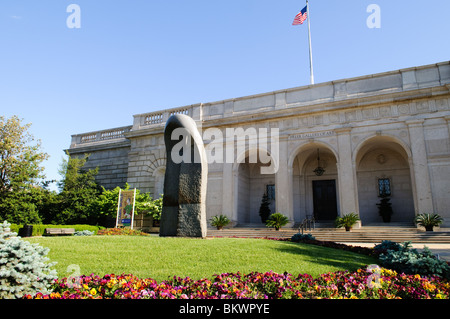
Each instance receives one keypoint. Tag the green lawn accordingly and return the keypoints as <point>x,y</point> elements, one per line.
<point>160,258</point>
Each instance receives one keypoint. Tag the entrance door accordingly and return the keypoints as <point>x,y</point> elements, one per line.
<point>325,203</point>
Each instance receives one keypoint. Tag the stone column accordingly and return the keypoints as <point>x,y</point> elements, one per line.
<point>228,206</point>
<point>419,161</point>
<point>447,118</point>
<point>348,193</point>
<point>283,182</point>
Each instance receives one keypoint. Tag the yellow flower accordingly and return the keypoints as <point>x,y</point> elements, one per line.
<point>110,284</point>
<point>389,272</point>
<point>85,286</point>
<point>375,284</point>
<point>428,286</point>
<point>93,292</point>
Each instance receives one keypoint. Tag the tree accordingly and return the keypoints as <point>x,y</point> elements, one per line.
<point>106,204</point>
<point>78,192</point>
<point>264,209</point>
<point>385,209</point>
<point>20,172</point>
<point>29,206</point>
<point>24,267</point>
<point>20,160</point>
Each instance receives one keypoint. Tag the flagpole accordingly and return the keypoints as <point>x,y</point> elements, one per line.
<point>309,39</point>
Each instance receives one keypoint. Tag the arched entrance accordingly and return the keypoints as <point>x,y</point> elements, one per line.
<point>159,175</point>
<point>383,171</point>
<point>315,194</point>
<point>251,185</point>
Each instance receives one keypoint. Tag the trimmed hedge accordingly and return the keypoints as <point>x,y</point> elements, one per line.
<point>38,230</point>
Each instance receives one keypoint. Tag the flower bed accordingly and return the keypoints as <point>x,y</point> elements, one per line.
<point>371,283</point>
<point>120,231</point>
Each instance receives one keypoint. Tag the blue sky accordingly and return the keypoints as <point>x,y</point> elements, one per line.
<point>137,56</point>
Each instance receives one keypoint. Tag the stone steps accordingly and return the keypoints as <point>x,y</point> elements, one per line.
<point>362,235</point>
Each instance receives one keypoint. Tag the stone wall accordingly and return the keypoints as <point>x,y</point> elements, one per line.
<point>112,163</point>
<point>146,163</point>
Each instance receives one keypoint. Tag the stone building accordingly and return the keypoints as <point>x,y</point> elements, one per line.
<point>381,134</point>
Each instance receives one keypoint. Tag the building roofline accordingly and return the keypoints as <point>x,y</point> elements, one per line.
<point>361,88</point>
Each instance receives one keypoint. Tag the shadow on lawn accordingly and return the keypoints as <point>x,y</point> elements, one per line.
<point>327,256</point>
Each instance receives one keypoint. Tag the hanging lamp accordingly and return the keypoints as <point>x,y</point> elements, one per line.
<point>319,170</point>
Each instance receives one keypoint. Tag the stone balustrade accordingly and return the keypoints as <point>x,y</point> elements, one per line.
<point>313,97</point>
<point>309,96</point>
<point>159,118</point>
<point>99,136</point>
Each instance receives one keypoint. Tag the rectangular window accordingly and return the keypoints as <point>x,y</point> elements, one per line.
<point>384,187</point>
<point>270,192</point>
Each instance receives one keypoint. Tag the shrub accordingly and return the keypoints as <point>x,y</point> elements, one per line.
<point>410,261</point>
<point>277,220</point>
<point>106,204</point>
<point>385,246</point>
<point>264,209</point>
<point>385,209</point>
<point>302,237</point>
<point>84,233</point>
<point>39,229</point>
<point>428,221</point>
<point>220,221</point>
<point>347,221</point>
<point>24,267</point>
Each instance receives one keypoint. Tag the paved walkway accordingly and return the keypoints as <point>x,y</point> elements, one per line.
<point>442,250</point>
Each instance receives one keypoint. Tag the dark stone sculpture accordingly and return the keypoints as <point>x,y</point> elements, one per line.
<point>184,211</point>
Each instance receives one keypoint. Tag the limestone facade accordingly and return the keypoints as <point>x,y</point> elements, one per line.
<point>391,128</point>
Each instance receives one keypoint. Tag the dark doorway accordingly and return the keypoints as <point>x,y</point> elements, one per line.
<point>325,203</point>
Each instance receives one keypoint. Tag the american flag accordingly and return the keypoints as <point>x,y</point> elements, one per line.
<point>300,17</point>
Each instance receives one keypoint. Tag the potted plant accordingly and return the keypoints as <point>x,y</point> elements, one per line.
<point>429,221</point>
<point>347,221</point>
<point>220,221</point>
<point>264,209</point>
<point>385,209</point>
<point>277,220</point>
